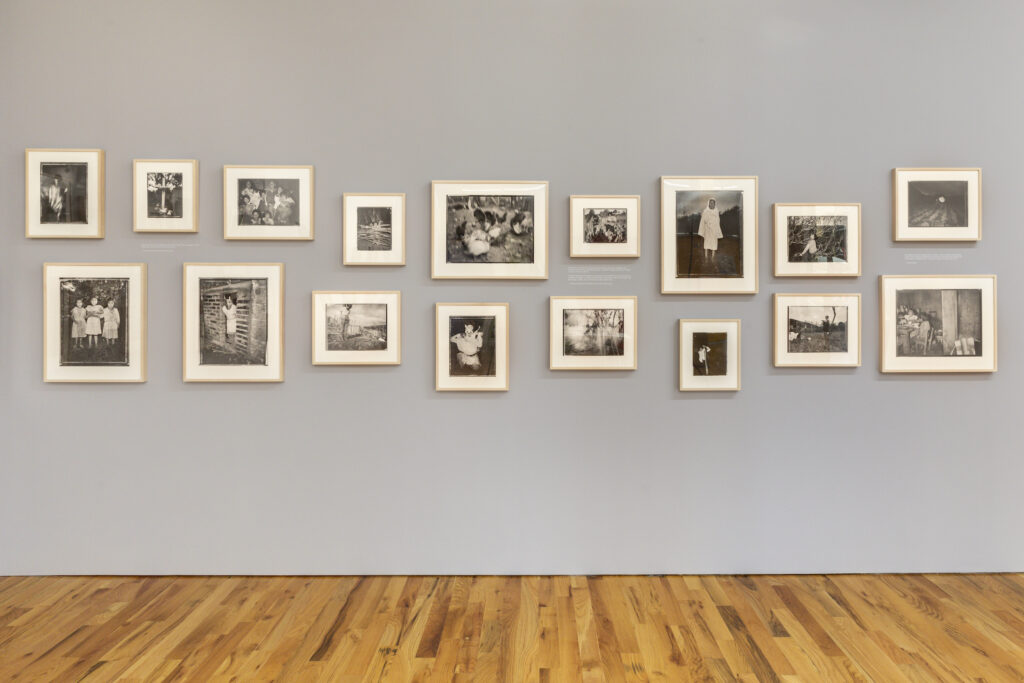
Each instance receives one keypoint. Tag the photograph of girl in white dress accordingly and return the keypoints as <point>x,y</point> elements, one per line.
<point>233,321</point>
<point>593,331</point>
<point>709,233</point>
<point>710,354</point>
<point>268,201</point>
<point>471,346</point>
<point>94,321</point>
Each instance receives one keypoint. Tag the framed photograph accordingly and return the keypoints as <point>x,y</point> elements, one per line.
<point>233,322</point>
<point>165,195</point>
<point>936,204</point>
<point>472,347</point>
<point>709,355</point>
<point>709,235</point>
<point>938,323</point>
<point>94,322</point>
<point>64,193</point>
<point>268,202</point>
<point>817,330</point>
<point>817,240</point>
<point>357,328</point>
<point>489,229</point>
<point>593,333</point>
<point>373,229</point>
<point>604,226</point>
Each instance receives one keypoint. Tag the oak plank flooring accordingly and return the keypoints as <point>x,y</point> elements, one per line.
<point>532,629</point>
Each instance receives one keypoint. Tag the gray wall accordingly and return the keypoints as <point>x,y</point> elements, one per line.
<point>352,470</point>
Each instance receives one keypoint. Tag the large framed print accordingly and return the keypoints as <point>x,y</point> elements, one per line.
<point>357,328</point>
<point>233,322</point>
<point>472,347</point>
<point>165,195</point>
<point>604,226</point>
<point>481,229</point>
<point>709,355</point>
<point>817,330</point>
<point>593,332</point>
<point>64,193</point>
<point>936,204</point>
<point>709,234</point>
<point>268,202</point>
<point>938,323</point>
<point>94,322</point>
<point>373,229</point>
<point>817,240</point>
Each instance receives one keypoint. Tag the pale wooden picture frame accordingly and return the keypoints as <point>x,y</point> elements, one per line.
<point>629,204</point>
<point>901,326</point>
<point>465,257</point>
<point>444,378</point>
<point>351,202</point>
<point>390,354</point>
<point>934,207</point>
<point>851,249</point>
<point>304,205</point>
<point>240,279</point>
<point>64,336</point>
<point>574,308</point>
<point>84,211</point>
<point>800,351</point>
<point>188,222</point>
<point>689,380</point>
<point>709,187</point>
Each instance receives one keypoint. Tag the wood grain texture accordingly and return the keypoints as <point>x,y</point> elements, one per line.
<point>535,629</point>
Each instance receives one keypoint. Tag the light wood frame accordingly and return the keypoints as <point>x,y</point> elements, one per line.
<point>437,369</point>
<point>777,236</point>
<point>538,246</point>
<point>895,208</point>
<point>101,193</point>
<point>639,225</point>
<point>397,327</point>
<point>754,247</point>
<point>776,322</point>
<point>345,228</point>
<point>739,352</point>
<point>184,321</point>
<point>881,326</point>
<point>312,202</point>
<point>195,194</point>
<point>636,328</point>
<point>143,323</point>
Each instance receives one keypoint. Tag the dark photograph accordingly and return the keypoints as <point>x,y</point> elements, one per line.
<point>268,202</point>
<point>489,229</point>
<point>64,193</point>
<point>709,233</point>
<point>817,329</point>
<point>593,331</point>
<point>604,226</point>
<point>233,321</point>
<point>94,321</point>
<point>471,346</point>
<point>817,239</point>
<point>373,232</point>
<point>357,327</point>
<point>163,195</point>
<point>710,353</point>
<point>938,322</point>
<point>937,203</point>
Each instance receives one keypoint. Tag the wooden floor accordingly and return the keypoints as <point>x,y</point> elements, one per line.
<point>619,628</point>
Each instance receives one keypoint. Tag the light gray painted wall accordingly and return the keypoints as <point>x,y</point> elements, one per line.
<point>353,470</point>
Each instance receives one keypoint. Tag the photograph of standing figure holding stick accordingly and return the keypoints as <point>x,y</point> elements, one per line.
<point>709,355</point>
<point>472,347</point>
<point>357,328</point>
<point>817,330</point>
<point>817,240</point>
<point>593,333</point>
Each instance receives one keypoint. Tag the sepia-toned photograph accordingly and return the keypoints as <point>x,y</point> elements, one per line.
<point>64,193</point>
<point>374,231</point>
<point>709,355</point>
<point>472,351</point>
<point>268,202</point>
<point>593,331</point>
<point>936,204</point>
<point>604,226</point>
<point>356,327</point>
<point>817,330</point>
<point>817,240</point>
<point>233,327</point>
<point>471,346</point>
<point>165,195</point>
<point>94,321</point>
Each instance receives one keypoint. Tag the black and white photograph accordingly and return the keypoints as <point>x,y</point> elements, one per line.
<point>356,327</point>
<point>94,327</point>
<point>604,226</point>
<point>471,350</point>
<point>489,230</point>
<point>165,195</point>
<point>63,193</point>
<point>593,331</point>
<point>709,235</point>
<point>268,202</point>
<point>374,231</point>
<point>233,327</point>
<point>817,240</point>
<point>709,355</point>
<point>472,347</point>
<point>936,204</point>
<point>817,330</point>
